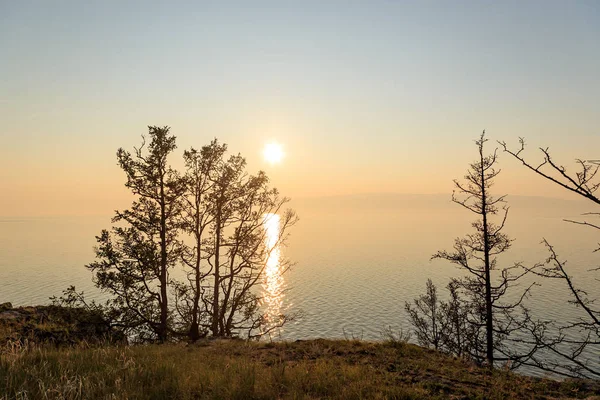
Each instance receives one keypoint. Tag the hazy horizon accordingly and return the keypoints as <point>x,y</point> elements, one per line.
<point>370,200</point>
<point>364,98</point>
<point>367,116</point>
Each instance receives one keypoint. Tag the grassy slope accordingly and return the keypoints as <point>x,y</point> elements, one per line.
<point>240,370</point>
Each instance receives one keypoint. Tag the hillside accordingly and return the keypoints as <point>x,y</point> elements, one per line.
<point>231,369</point>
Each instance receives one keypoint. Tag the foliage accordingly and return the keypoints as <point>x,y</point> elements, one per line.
<point>188,257</point>
<point>134,259</point>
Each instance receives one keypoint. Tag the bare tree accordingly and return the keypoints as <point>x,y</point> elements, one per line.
<point>426,317</point>
<point>459,337</point>
<point>572,344</point>
<point>444,325</point>
<point>582,182</point>
<point>483,288</point>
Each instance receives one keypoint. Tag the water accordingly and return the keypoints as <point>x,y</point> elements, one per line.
<point>358,259</point>
<point>274,283</point>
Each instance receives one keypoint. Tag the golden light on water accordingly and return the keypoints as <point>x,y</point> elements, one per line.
<point>273,283</point>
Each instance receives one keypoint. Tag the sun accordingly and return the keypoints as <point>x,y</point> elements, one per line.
<point>273,153</point>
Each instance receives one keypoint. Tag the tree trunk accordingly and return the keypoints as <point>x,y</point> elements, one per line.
<point>215,316</point>
<point>164,310</point>
<point>194,333</point>
<point>488,287</point>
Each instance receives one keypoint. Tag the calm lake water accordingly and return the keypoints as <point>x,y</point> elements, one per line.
<point>358,258</point>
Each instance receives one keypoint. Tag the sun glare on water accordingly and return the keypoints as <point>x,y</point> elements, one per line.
<point>273,153</point>
<point>273,284</point>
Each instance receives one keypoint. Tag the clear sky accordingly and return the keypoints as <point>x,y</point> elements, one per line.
<point>365,96</point>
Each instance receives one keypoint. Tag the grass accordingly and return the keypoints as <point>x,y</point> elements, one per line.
<point>54,324</point>
<point>316,369</point>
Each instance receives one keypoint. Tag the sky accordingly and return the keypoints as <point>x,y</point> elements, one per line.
<point>365,96</point>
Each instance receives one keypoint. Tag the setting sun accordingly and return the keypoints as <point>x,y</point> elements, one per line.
<point>273,153</point>
<point>300,199</point>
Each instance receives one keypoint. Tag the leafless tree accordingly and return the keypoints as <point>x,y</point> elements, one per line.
<point>426,317</point>
<point>480,295</point>
<point>572,345</point>
<point>444,325</point>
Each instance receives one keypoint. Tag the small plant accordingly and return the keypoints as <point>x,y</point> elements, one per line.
<point>353,336</point>
<point>395,337</point>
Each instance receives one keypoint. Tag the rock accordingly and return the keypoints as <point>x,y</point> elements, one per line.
<point>5,306</point>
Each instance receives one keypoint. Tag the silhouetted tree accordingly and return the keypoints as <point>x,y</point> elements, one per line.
<point>227,191</point>
<point>240,247</point>
<point>210,224</point>
<point>443,325</point>
<point>224,212</point>
<point>134,259</point>
<point>583,182</point>
<point>426,317</point>
<point>197,218</point>
<point>459,337</point>
<point>476,298</point>
<point>571,345</point>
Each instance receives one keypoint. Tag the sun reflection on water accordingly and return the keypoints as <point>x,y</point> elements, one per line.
<point>273,282</point>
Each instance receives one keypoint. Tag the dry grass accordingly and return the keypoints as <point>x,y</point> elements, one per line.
<point>316,369</point>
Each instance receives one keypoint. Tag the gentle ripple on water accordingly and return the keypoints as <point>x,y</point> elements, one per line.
<point>355,268</point>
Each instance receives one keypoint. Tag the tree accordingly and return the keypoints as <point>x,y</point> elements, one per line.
<point>571,344</point>
<point>490,319</point>
<point>189,256</point>
<point>240,247</point>
<point>227,191</point>
<point>459,337</point>
<point>443,325</point>
<point>197,217</point>
<point>134,259</point>
<point>225,213</point>
<point>583,182</point>
<point>426,317</point>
